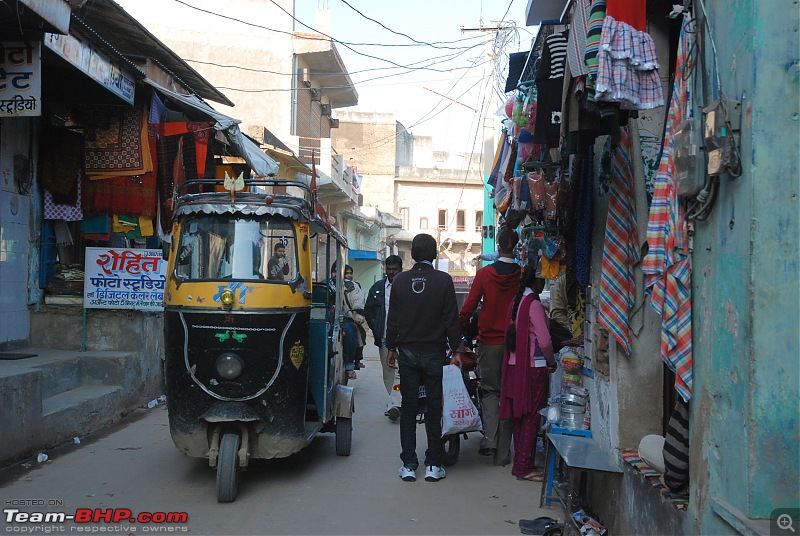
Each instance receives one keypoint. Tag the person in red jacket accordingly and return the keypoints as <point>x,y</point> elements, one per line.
<point>496,285</point>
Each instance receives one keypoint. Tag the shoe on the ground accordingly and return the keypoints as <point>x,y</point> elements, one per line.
<point>540,526</point>
<point>408,474</point>
<point>393,414</point>
<point>434,473</point>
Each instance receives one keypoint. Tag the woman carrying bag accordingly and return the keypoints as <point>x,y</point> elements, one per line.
<point>527,359</point>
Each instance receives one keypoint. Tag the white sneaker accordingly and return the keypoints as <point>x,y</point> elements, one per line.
<point>434,473</point>
<point>408,474</point>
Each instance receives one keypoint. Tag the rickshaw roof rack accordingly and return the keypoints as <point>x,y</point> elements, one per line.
<point>247,182</point>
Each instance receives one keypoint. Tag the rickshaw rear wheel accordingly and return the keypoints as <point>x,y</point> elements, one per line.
<point>451,449</point>
<point>344,436</point>
<point>227,471</point>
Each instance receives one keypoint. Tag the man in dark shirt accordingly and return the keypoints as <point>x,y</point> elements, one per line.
<point>278,265</point>
<point>422,323</point>
<point>375,312</point>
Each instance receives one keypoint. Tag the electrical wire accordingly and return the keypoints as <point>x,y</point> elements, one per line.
<point>432,45</point>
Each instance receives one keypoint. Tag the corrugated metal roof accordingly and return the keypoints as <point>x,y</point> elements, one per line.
<point>129,38</point>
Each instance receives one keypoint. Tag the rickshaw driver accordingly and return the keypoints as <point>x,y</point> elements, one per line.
<point>278,265</point>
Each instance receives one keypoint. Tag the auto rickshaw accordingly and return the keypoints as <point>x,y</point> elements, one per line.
<point>253,359</point>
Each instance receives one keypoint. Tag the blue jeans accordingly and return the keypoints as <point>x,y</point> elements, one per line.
<point>349,344</point>
<point>418,368</point>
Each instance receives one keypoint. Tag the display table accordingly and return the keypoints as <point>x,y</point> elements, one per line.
<point>580,455</point>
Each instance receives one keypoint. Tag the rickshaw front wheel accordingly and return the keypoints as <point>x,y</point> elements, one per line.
<point>227,471</point>
<point>451,449</point>
<point>344,436</point>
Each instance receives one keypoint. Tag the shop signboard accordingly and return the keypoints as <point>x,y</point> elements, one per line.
<point>117,278</point>
<point>20,79</point>
<point>94,63</point>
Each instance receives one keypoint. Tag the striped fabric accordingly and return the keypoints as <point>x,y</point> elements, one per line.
<point>576,48</point>
<point>557,47</point>
<point>621,250</point>
<point>676,448</point>
<point>594,30</point>
<point>668,265</point>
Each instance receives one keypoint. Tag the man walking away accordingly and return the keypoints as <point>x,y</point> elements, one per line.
<point>375,312</point>
<point>422,323</point>
<point>496,284</point>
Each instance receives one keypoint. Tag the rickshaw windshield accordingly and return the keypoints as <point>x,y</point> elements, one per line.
<point>242,248</point>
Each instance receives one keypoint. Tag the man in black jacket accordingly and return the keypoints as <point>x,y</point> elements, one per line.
<point>375,312</point>
<point>422,323</point>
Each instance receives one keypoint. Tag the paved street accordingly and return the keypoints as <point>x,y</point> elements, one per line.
<point>136,466</point>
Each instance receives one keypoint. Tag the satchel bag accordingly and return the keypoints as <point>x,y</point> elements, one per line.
<point>459,414</point>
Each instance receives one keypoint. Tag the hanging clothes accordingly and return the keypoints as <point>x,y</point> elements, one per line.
<point>576,48</point>
<point>621,248</point>
<point>668,263</point>
<point>627,69</point>
<point>67,212</point>
<point>549,85</point>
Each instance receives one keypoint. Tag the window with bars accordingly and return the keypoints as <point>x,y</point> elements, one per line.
<point>461,220</point>
<point>478,221</point>
<point>442,219</point>
<point>423,223</point>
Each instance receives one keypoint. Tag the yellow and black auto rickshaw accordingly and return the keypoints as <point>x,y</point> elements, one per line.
<point>253,359</point>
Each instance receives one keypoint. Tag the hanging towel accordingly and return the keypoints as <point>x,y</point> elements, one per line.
<point>668,264</point>
<point>621,250</point>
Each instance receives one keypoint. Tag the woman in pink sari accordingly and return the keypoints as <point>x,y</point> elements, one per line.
<point>527,359</point>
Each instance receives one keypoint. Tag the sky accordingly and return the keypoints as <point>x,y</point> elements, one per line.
<point>437,89</point>
<point>411,57</point>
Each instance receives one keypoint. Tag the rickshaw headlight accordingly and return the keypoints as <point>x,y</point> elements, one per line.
<point>229,366</point>
<point>226,297</point>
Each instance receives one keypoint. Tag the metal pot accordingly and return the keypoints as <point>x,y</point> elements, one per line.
<point>573,421</point>
<point>575,400</point>
<point>571,409</point>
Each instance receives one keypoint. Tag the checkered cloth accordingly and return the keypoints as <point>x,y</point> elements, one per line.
<point>621,250</point>
<point>668,264</point>
<point>627,69</point>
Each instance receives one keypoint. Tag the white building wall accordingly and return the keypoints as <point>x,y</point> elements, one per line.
<point>424,200</point>
<point>262,93</point>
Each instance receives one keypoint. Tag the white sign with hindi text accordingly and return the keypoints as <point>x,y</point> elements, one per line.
<point>118,278</point>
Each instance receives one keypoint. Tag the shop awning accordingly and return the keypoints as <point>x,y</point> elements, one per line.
<point>516,64</point>
<point>290,164</point>
<point>257,159</point>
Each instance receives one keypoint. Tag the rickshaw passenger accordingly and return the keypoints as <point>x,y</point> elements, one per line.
<point>278,265</point>
<point>352,303</point>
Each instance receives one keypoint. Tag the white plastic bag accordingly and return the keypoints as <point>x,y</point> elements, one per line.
<point>459,414</point>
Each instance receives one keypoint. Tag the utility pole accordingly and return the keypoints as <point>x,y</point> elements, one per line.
<point>490,132</point>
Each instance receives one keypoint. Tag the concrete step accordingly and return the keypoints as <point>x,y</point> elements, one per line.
<point>84,395</point>
<point>60,376</point>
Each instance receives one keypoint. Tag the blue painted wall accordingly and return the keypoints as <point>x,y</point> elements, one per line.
<point>746,276</point>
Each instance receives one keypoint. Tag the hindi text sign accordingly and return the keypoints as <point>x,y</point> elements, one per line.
<point>117,278</point>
